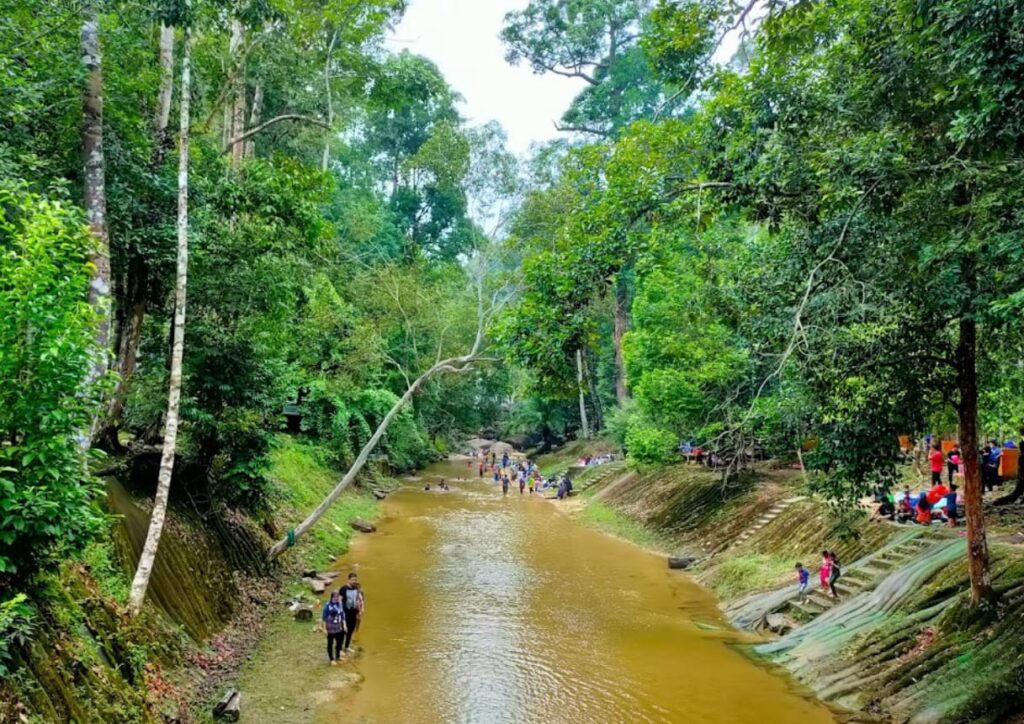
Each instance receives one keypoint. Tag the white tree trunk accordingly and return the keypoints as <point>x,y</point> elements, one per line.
<point>162,117</point>
<point>584,425</point>
<point>330,100</point>
<point>455,364</point>
<point>156,522</point>
<point>237,98</point>
<point>95,190</point>
<point>254,119</point>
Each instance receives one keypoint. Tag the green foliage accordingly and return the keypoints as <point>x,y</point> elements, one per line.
<point>46,402</point>
<point>650,445</point>
<point>17,621</point>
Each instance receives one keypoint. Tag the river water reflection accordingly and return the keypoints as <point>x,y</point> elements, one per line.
<point>484,609</point>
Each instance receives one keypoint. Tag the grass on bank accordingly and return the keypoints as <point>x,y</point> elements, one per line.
<point>611,521</point>
<point>745,573</point>
<point>301,478</point>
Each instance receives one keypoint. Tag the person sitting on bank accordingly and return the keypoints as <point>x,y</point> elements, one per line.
<point>885,509</point>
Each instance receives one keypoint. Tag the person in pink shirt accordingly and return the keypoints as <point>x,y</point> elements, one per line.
<point>826,569</point>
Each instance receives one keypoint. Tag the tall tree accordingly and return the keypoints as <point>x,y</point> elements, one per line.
<point>95,187</point>
<point>156,523</point>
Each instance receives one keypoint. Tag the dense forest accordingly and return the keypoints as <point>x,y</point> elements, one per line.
<point>767,223</point>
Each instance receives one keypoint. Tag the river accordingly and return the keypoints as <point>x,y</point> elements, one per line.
<point>484,609</point>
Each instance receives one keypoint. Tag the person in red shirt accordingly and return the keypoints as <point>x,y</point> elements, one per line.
<point>937,460</point>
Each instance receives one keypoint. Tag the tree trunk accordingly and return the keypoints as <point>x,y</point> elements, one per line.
<point>621,324</point>
<point>156,522</point>
<point>162,116</point>
<point>330,100</point>
<point>595,401</point>
<point>967,381</point>
<point>455,364</point>
<point>254,119</point>
<point>237,97</point>
<point>95,190</point>
<point>584,426</point>
<point>131,305</point>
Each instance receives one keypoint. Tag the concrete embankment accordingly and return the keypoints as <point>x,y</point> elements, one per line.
<point>900,642</point>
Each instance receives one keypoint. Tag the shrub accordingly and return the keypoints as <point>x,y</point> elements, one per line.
<point>47,334</point>
<point>650,445</point>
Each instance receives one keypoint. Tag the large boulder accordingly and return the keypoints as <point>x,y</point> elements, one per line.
<point>362,525</point>
<point>303,613</point>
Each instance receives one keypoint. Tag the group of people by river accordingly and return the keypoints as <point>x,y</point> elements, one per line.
<point>341,616</point>
<point>524,474</point>
<point>828,574</point>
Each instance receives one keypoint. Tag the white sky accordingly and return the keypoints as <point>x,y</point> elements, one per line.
<point>461,37</point>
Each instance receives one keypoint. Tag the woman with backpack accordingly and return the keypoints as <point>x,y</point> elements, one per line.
<point>333,620</point>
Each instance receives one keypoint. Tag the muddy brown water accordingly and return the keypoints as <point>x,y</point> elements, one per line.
<point>484,609</point>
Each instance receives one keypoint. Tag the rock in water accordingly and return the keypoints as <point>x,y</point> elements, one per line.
<point>304,613</point>
<point>379,494</point>
<point>679,563</point>
<point>363,526</point>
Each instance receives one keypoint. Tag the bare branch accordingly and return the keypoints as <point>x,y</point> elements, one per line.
<point>274,121</point>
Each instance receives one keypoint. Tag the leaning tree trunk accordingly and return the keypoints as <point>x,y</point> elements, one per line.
<point>156,522</point>
<point>619,331</point>
<point>455,364</point>
<point>977,544</point>
<point>581,388</point>
<point>95,190</point>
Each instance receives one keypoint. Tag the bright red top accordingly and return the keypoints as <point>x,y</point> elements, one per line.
<point>937,460</point>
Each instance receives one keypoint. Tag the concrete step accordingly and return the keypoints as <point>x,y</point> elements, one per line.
<point>821,598</point>
<point>809,607</point>
<point>848,587</point>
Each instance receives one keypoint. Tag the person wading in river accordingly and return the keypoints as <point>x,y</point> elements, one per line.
<point>333,620</point>
<point>352,602</point>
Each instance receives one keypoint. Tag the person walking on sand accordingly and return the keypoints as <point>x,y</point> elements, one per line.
<point>826,569</point>
<point>333,620</point>
<point>353,603</point>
